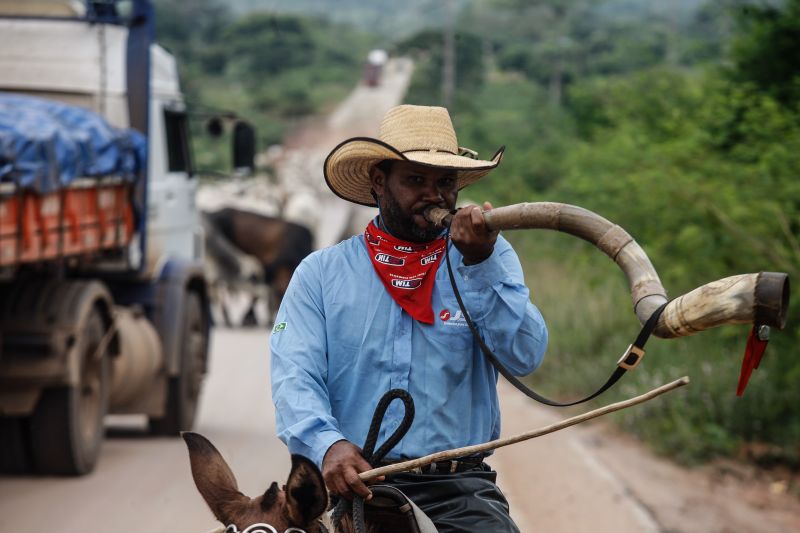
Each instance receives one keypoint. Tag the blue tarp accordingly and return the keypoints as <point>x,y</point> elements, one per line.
<point>45,145</point>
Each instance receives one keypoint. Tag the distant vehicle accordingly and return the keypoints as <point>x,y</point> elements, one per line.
<point>103,299</point>
<point>373,68</point>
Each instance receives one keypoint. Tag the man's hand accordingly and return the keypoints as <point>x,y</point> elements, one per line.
<point>340,468</point>
<point>471,236</point>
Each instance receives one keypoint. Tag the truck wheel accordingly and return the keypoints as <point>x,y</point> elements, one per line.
<point>66,427</point>
<point>184,389</point>
<point>13,446</point>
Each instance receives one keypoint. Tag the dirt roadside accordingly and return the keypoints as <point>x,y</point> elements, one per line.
<point>594,478</point>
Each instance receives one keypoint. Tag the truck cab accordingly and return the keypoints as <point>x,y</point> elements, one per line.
<point>103,299</point>
<point>64,51</point>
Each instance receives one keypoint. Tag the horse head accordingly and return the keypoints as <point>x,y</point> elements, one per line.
<point>297,507</point>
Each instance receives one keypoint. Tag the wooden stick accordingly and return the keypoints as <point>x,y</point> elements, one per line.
<point>499,443</point>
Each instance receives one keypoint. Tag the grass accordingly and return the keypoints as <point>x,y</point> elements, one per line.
<point>586,303</point>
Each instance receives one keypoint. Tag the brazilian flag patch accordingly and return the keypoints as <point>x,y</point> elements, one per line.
<point>279,327</point>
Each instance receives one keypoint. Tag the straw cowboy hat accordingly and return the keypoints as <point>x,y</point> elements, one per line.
<point>420,134</point>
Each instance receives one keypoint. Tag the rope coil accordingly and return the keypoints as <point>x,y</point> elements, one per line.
<point>374,457</point>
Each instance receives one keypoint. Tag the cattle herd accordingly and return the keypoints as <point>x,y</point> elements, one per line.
<point>258,229</point>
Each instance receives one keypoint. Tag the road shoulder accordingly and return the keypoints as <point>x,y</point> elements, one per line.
<point>593,478</point>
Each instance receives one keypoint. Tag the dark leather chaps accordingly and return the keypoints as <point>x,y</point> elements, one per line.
<point>461,502</point>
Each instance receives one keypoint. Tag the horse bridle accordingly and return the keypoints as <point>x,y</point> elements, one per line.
<point>261,528</point>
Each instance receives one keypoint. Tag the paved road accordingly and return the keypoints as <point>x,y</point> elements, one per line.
<point>310,202</point>
<point>579,479</point>
<point>143,483</point>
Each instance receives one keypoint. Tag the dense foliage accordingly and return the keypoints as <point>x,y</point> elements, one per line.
<point>685,130</point>
<point>271,69</point>
<point>678,120</point>
<point>386,19</point>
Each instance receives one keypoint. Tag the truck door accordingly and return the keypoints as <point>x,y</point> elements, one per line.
<point>173,228</point>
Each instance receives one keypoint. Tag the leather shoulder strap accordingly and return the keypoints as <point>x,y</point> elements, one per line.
<point>632,356</point>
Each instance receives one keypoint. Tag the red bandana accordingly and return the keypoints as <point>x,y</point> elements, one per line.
<point>407,270</point>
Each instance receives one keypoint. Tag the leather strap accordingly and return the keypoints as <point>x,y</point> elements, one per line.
<point>629,360</point>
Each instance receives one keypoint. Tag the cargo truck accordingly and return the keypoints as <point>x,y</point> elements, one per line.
<point>103,301</point>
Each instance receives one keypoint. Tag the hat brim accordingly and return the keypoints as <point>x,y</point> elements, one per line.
<point>348,166</point>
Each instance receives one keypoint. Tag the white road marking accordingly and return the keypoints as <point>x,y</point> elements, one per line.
<point>641,513</point>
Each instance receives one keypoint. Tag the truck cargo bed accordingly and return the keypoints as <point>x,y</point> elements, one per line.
<point>76,221</point>
<point>66,178</point>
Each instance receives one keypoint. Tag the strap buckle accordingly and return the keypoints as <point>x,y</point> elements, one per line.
<point>631,357</point>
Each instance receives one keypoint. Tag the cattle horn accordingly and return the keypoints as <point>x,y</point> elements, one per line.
<point>760,298</point>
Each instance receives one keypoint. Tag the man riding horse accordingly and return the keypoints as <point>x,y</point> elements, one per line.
<point>377,312</point>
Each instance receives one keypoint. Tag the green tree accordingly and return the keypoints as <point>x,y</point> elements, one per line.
<point>426,47</point>
<point>698,162</point>
<point>263,45</point>
<point>768,52</point>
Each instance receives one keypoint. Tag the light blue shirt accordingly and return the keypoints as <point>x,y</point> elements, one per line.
<point>341,342</point>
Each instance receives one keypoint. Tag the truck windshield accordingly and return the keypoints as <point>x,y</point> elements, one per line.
<point>177,130</point>
<point>108,11</point>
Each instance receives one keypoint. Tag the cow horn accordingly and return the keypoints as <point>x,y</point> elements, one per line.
<point>760,298</point>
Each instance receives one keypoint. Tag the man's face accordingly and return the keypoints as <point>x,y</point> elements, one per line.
<point>407,191</point>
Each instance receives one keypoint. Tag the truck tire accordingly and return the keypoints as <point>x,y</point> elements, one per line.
<point>66,428</point>
<point>184,389</point>
<point>13,446</point>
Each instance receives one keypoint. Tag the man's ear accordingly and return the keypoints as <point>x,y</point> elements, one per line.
<point>377,179</point>
<point>213,477</point>
<point>306,496</point>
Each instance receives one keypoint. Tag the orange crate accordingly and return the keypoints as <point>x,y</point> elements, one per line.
<point>74,221</point>
<point>9,211</point>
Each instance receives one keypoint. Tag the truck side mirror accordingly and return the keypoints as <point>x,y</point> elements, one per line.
<point>215,127</point>
<point>244,146</point>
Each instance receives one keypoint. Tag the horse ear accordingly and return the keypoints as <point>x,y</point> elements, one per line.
<point>213,476</point>
<point>306,496</point>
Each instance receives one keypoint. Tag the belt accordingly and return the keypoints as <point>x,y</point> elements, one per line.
<point>443,467</point>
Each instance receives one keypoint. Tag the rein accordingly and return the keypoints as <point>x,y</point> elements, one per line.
<point>629,360</point>
<point>374,457</point>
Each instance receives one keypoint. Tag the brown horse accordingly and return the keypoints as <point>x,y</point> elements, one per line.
<point>277,244</point>
<point>300,504</point>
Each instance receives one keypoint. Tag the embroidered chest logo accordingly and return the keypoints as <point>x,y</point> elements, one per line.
<point>387,259</point>
<point>456,320</point>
